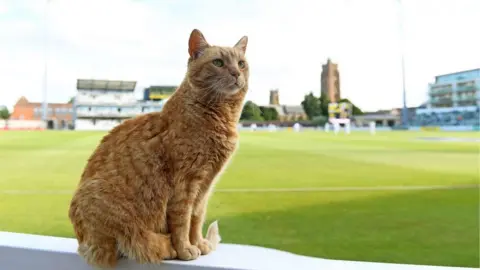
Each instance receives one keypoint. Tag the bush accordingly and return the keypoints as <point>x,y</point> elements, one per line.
<point>319,120</point>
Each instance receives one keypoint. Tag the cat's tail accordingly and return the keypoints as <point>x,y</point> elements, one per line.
<point>213,234</point>
<point>147,247</point>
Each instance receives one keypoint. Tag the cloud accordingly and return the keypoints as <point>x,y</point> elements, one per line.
<point>146,40</point>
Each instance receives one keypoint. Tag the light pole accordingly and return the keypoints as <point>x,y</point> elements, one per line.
<point>45,55</point>
<point>402,47</point>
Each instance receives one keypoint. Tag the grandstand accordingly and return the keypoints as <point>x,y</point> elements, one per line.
<point>460,116</point>
<point>103,104</point>
<point>453,100</point>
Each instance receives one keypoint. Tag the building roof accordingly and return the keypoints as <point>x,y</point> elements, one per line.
<point>458,72</point>
<point>23,101</point>
<point>293,109</point>
<point>87,84</point>
<point>286,109</point>
<point>278,108</point>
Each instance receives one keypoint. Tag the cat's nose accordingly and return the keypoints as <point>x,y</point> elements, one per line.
<point>235,73</point>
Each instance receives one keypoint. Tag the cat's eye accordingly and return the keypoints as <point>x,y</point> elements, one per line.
<point>241,64</point>
<point>218,62</point>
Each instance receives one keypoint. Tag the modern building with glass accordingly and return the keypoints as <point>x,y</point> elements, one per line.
<point>453,100</point>
<point>459,89</point>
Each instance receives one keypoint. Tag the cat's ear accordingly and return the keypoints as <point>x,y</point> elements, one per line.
<point>242,44</point>
<point>197,44</point>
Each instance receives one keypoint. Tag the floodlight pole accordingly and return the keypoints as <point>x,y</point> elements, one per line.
<point>404,109</point>
<point>45,55</point>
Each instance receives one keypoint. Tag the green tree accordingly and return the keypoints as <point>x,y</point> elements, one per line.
<point>70,101</point>
<point>251,112</point>
<point>311,105</point>
<point>319,120</point>
<point>324,104</point>
<point>268,113</point>
<point>5,115</point>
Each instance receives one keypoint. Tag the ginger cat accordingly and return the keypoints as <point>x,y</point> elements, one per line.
<point>144,191</point>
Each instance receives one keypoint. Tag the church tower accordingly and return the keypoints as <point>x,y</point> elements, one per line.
<point>330,81</point>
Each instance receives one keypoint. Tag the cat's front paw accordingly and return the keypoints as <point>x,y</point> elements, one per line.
<point>171,255</point>
<point>188,253</point>
<point>205,246</point>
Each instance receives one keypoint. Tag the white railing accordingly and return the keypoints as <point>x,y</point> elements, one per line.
<point>37,252</point>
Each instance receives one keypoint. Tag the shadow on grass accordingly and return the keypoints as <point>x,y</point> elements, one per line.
<point>422,227</point>
<point>413,227</point>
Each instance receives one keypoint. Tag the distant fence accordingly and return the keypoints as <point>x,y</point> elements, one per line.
<point>445,128</point>
<point>22,125</point>
<point>37,252</point>
<point>320,129</point>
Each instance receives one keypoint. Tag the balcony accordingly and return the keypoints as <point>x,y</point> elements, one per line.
<point>440,91</point>
<point>25,252</point>
<point>465,98</point>
<point>441,100</point>
<point>467,88</point>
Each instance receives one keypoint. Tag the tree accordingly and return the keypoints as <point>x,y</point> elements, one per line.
<point>70,101</point>
<point>324,104</point>
<point>311,105</point>
<point>5,115</point>
<point>319,120</point>
<point>269,113</point>
<point>251,112</point>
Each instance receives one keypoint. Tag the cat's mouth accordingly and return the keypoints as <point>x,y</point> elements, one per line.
<point>238,84</point>
<point>232,89</point>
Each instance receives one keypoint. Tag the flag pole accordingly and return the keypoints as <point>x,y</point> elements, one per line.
<point>402,53</point>
<point>45,68</point>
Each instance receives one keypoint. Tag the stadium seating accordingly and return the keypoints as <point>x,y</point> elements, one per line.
<point>447,118</point>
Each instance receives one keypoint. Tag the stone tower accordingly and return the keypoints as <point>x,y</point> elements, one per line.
<point>330,81</point>
<point>274,97</point>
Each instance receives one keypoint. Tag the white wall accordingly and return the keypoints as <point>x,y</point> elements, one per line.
<point>36,252</point>
<point>23,124</point>
<point>87,124</point>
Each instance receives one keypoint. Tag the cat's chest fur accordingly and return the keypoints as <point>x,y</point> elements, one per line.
<point>208,152</point>
<point>214,147</point>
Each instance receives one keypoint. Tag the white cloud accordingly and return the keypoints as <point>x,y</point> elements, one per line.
<point>288,42</point>
<point>3,8</point>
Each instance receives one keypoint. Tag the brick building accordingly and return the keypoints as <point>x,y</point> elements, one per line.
<point>59,115</point>
<point>330,81</point>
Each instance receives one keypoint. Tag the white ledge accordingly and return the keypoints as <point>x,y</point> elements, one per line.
<point>26,251</point>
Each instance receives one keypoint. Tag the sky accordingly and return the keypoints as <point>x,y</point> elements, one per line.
<point>289,40</point>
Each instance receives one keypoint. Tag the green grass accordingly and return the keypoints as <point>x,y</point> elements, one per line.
<point>436,227</point>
